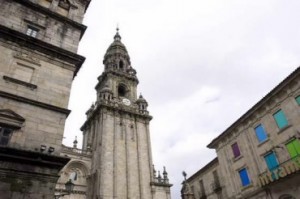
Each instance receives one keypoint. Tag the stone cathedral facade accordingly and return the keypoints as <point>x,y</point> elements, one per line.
<point>116,158</point>
<point>38,62</point>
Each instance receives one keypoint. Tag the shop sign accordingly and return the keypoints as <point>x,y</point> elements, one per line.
<point>287,168</point>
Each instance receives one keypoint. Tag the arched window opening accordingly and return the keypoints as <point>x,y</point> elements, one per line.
<point>73,176</point>
<point>122,91</point>
<point>121,65</point>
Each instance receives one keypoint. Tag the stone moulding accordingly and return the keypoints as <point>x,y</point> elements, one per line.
<point>24,40</point>
<point>109,106</point>
<point>13,80</point>
<point>34,102</point>
<point>11,119</point>
<point>9,154</point>
<point>52,14</point>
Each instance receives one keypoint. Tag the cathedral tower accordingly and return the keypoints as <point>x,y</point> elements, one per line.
<point>117,133</point>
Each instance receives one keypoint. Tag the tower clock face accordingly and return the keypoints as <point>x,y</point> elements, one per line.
<point>126,101</point>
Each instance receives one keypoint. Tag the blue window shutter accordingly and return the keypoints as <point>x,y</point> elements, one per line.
<point>244,177</point>
<point>260,133</point>
<point>271,161</point>
<point>280,119</point>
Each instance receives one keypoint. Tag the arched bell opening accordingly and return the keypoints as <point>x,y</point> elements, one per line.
<point>122,90</point>
<point>121,65</point>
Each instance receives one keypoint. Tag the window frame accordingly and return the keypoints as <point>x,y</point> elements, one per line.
<point>281,119</point>
<point>3,137</point>
<point>295,148</point>
<point>271,160</point>
<point>259,131</point>
<point>32,31</point>
<point>248,180</point>
<point>233,147</point>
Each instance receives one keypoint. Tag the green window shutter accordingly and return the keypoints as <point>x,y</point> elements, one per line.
<point>293,148</point>
<point>297,146</point>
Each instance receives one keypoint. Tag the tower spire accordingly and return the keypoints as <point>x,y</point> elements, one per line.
<point>117,37</point>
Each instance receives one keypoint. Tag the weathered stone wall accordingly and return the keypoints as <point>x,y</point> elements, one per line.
<point>47,81</point>
<point>52,77</point>
<point>161,192</point>
<point>210,185</point>
<point>122,156</point>
<point>18,17</point>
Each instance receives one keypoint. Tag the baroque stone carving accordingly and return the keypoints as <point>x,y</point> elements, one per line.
<point>27,57</point>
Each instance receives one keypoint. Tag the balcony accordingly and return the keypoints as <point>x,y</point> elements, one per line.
<point>75,151</point>
<point>216,186</point>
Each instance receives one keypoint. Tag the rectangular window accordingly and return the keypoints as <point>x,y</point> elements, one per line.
<point>298,99</point>
<point>293,148</point>
<point>271,161</point>
<point>23,72</point>
<point>244,177</point>
<point>202,190</point>
<point>261,133</point>
<point>236,150</point>
<point>280,119</point>
<point>31,31</point>
<point>5,134</point>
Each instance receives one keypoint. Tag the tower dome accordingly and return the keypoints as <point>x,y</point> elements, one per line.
<point>116,56</point>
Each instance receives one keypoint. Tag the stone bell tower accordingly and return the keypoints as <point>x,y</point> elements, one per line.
<point>117,133</point>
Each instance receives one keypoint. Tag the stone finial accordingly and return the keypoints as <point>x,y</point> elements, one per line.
<point>159,177</point>
<point>117,37</point>
<point>184,175</point>
<point>154,171</point>
<point>91,109</point>
<point>165,175</point>
<point>75,143</point>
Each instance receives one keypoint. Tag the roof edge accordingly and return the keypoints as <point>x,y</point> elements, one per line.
<point>259,104</point>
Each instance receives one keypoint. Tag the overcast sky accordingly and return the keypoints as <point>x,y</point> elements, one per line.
<point>201,65</point>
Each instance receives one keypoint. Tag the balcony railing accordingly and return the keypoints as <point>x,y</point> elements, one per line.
<point>75,150</point>
<point>216,186</point>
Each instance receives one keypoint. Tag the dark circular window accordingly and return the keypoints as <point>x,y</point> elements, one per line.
<point>122,91</point>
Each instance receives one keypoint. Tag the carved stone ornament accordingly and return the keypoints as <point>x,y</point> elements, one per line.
<point>64,4</point>
<point>27,57</point>
<point>10,118</point>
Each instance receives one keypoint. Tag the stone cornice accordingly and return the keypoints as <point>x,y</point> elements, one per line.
<point>35,44</point>
<point>115,73</point>
<point>115,107</point>
<point>33,158</point>
<point>34,102</point>
<point>204,169</point>
<point>159,184</point>
<point>29,85</point>
<point>258,105</point>
<point>46,11</point>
